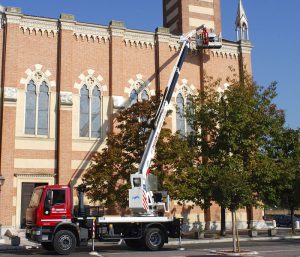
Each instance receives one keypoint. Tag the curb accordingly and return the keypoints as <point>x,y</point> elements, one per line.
<point>5,247</point>
<point>226,240</point>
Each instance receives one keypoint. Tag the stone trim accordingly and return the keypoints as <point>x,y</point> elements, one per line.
<point>163,34</point>
<point>33,175</point>
<point>245,47</point>
<point>119,102</point>
<point>91,78</point>
<point>38,73</point>
<point>139,85</point>
<point>185,89</point>
<point>39,24</point>
<point>67,25</point>
<point>174,43</point>
<point>139,38</point>
<point>13,18</point>
<point>228,50</point>
<point>117,32</point>
<point>27,177</point>
<point>97,33</point>
<point>66,98</point>
<point>10,94</point>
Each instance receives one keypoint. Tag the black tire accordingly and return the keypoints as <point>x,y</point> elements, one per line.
<point>64,242</point>
<point>47,246</point>
<point>134,243</point>
<point>154,239</point>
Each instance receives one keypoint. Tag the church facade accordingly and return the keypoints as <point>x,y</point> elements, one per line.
<point>63,80</point>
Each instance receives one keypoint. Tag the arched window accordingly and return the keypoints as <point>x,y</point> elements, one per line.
<point>37,109</point>
<point>30,109</point>
<point>180,120</point>
<point>96,104</point>
<point>182,105</point>
<point>145,96</point>
<point>43,110</point>
<point>84,112</point>
<point>90,113</point>
<point>189,107</point>
<point>133,97</point>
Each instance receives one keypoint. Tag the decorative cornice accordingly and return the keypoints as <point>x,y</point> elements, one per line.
<point>13,18</point>
<point>227,50</point>
<point>117,28</point>
<point>44,25</point>
<point>245,46</point>
<point>10,94</point>
<point>163,34</point>
<point>67,25</point>
<point>139,38</point>
<point>164,38</point>
<point>66,98</point>
<point>174,43</point>
<point>94,32</point>
<point>116,32</point>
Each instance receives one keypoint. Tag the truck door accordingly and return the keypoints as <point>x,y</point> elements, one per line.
<point>56,207</point>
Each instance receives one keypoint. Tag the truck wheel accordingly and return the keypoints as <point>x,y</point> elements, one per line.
<point>134,243</point>
<point>47,246</point>
<point>64,242</point>
<point>154,239</point>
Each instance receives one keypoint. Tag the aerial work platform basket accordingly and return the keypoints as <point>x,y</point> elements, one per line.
<point>208,40</point>
<point>203,38</point>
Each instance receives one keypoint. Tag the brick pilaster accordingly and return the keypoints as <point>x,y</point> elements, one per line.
<point>65,82</point>
<point>116,60</point>
<point>9,93</point>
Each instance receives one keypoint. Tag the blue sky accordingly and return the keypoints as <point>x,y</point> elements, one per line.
<point>273,24</point>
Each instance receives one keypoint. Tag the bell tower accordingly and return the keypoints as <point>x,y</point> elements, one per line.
<point>182,16</point>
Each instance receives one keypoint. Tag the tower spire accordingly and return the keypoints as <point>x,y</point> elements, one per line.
<point>241,23</point>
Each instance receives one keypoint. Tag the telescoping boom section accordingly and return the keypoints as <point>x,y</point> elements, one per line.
<point>142,198</point>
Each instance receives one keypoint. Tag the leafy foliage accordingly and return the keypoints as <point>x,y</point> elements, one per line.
<point>232,132</point>
<point>287,158</point>
<point>108,178</point>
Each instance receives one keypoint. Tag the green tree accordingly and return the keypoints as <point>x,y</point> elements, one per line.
<point>108,178</point>
<point>232,130</point>
<point>286,155</point>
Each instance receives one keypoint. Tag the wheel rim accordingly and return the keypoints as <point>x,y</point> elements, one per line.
<point>65,242</point>
<point>155,239</point>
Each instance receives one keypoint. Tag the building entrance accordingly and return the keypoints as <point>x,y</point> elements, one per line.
<point>27,189</point>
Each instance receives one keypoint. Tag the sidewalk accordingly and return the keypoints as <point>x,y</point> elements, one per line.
<point>213,238</point>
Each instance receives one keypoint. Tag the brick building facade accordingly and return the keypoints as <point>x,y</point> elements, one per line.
<point>62,80</point>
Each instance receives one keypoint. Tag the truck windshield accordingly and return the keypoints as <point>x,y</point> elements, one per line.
<point>35,198</point>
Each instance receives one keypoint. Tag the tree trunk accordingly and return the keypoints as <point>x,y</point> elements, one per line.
<point>223,221</point>
<point>233,231</point>
<point>237,235</point>
<point>292,219</point>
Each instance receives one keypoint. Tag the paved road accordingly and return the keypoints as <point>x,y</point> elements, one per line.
<point>264,249</point>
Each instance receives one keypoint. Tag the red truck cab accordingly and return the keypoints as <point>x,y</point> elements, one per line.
<point>49,206</point>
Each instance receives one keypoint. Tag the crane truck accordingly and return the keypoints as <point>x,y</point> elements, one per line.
<point>53,220</point>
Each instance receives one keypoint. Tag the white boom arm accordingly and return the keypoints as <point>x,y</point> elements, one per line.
<point>140,196</point>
